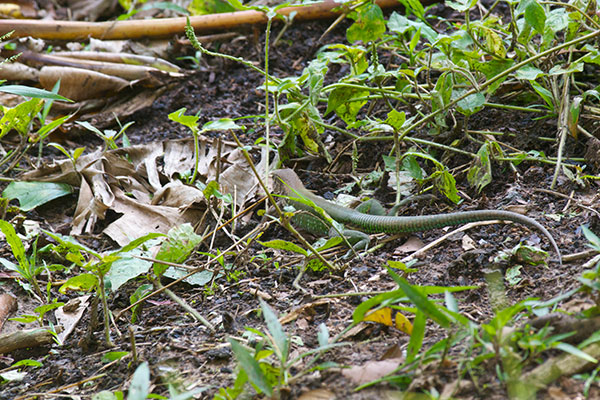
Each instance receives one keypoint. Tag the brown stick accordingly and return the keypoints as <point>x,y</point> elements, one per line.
<point>25,338</point>
<point>136,29</point>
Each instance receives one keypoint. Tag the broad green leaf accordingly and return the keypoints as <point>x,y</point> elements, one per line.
<point>33,194</point>
<point>113,355</point>
<point>400,24</point>
<point>20,117</point>
<point>220,125</point>
<point>529,72</point>
<point>106,395</point>
<point>72,244</point>
<point>558,19</point>
<point>284,245</point>
<point>251,367</point>
<point>491,69</point>
<point>27,91</point>
<point>123,270</point>
<point>461,5</point>
<point>535,15</point>
<point>84,282</point>
<point>415,7</point>
<point>41,310</point>
<point>140,383</point>
<point>190,121</point>
<point>368,26</point>
<point>341,100</point>
<point>396,119</point>
<point>280,339</point>
<point>470,104</point>
<point>177,246</point>
<point>562,69</point>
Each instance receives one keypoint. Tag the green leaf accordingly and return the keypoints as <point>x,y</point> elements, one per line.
<point>84,282</point>
<point>27,91</point>
<point>106,395</point>
<point>534,15</point>
<point>396,119</point>
<point>27,363</point>
<point>567,348</point>
<point>140,383</point>
<point>280,339</point>
<point>41,310</point>
<point>529,72</point>
<point>416,338</point>
<point>341,101</point>
<point>480,173</point>
<point>176,248</point>
<point>251,367</point>
<point>421,301</point>
<point>17,248</point>
<point>220,125</point>
<point>461,5</point>
<point>470,104</point>
<point>591,237</point>
<point>369,24</point>
<point>33,194</point>
<point>446,184</point>
<point>123,270</point>
<point>284,245</point>
<point>20,117</point>
<point>400,24</point>
<point>201,7</point>
<point>190,121</point>
<point>113,355</point>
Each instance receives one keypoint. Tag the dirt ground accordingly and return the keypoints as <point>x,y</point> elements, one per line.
<point>179,348</point>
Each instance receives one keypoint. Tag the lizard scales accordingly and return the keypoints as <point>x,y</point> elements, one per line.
<point>290,185</point>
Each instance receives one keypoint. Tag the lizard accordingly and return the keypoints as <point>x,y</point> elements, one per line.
<point>289,185</point>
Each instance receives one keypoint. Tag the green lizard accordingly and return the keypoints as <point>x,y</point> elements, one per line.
<point>287,183</point>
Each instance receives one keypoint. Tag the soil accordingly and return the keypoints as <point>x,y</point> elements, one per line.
<point>180,349</point>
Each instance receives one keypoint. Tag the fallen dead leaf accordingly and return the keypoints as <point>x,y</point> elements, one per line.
<point>371,370</point>
<point>317,394</point>
<point>411,245</point>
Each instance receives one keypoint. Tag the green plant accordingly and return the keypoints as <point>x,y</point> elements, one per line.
<point>98,266</point>
<point>267,366</point>
<point>22,116</point>
<point>29,267</point>
<point>109,136</point>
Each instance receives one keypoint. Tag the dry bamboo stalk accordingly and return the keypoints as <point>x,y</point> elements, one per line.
<point>154,28</point>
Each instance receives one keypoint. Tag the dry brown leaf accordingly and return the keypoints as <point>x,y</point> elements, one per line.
<point>371,370</point>
<point>123,58</point>
<point>14,71</point>
<point>80,84</point>
<point>69,314</point>
<point>128,181</point>
<point>317,394</point>
<point>303,309</point>
<point>468,243</point>
<point>411,245</point>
